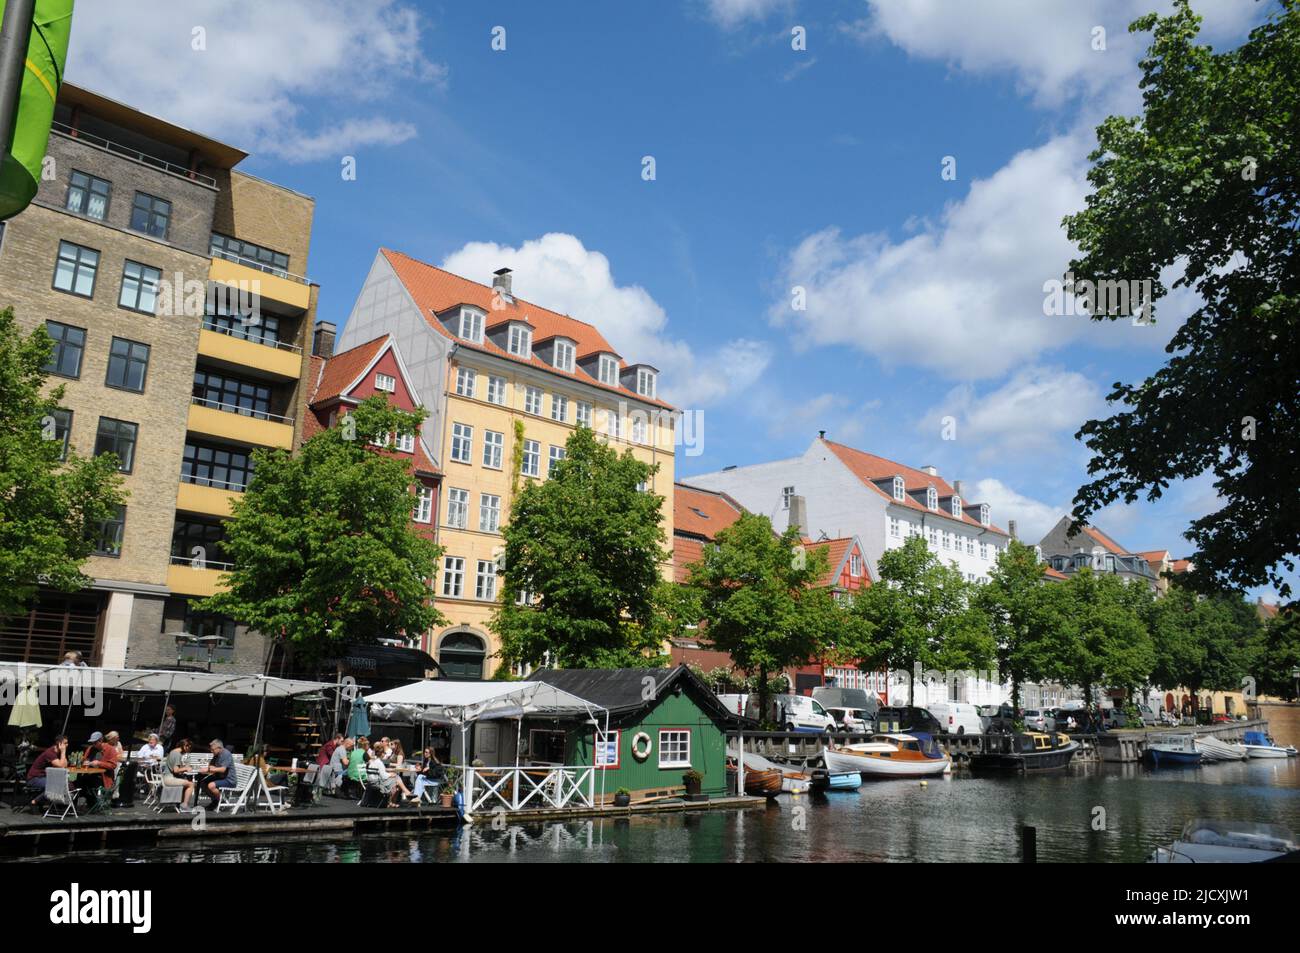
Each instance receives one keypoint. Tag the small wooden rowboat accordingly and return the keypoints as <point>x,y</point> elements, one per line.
<point>766,783</point>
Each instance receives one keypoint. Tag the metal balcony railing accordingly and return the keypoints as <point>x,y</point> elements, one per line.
<point>241,411</point>
<point>134,155</point>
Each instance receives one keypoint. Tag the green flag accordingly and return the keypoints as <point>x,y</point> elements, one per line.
<point>47,49</point>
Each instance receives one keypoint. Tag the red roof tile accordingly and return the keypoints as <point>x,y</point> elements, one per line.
<point>836,550</point>
<point>702,513</point>
<point>436,291</point>
<point>343,368</point>
<point>1105,541</point>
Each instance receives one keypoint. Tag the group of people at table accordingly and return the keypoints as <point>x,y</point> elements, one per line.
<point>381,763</point>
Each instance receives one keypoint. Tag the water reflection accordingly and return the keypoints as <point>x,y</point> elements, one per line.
<point>1090,813</point>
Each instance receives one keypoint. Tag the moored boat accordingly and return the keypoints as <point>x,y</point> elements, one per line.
<point>1260,745</point>
<point>1024,751</point>
<point>1226,842</point>
<point>1216,749</point>
<point>845,781</point>
<point>1172,748</point>
<point>889,756</point>
<point>795,779</point>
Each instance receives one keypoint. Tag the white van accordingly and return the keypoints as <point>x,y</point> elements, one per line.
<point>792,713</point>
<point>957,718</point>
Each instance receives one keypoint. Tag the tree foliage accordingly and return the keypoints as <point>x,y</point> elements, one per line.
<point>1275,655</point>
<point>1024,612</point>
<point>1205,185</point>
<point>588,546</point>
<point>322,543</point>
<point>1104,638</point>
<point>1202,642</point>
<point>50,509</point>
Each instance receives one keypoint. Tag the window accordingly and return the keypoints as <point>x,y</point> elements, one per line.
<point>900,491</point>
<point>264,259</point>
<point>128,362</point>
<point>560,408</point>
<point>208,537</point>
<point>970,546</point>
<point>520,341</point>
<point>932,537</point>
<point>932,498</point>
<point>74,272</point>
<point>423,512</point>
<point>386,382</point>
<point>855,565</point>
<point>582,414</point>
<point>406,442</point>
<point>984,514</point>
<point>956,506</point>
<point>564,355</point>
<point>108,534</point>
<point>787,494</point>
<point>151,215</point>
<point>607,749</point>
<point>645,382</point>
<point>224,318</point>
<point>62,420</point>
<point>139,287</point>
<point>465,381</point>
<point>88,195</point>
<point>638,427</point>
<point>485,580</point>
<point>984,551</point>
<point>453,576</point>
<point>607,370</point>
<point>201,624</point>
<point>533,401</point>
<point>471,325</point>
<point>462,442</point>
<point>69,345</point>
<point>489,513</point>
<point>532,463</point>
<point>947,540</point>
<point>674,748</point>
<point>457,508</point>
<point>232,394</point>
<point>496,391</point>
<point>613,423</point>
<point>557,454</point>
<point>895,529</point>
<point>493,449</point>
<point>220,467</point>
<point>117,436</point>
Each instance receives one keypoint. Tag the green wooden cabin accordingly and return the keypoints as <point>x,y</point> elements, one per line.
<point>662,722</point>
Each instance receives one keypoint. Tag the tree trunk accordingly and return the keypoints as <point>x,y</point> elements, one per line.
<point>762,694</point>
<point>911,685</point>
<point>1015,693</point>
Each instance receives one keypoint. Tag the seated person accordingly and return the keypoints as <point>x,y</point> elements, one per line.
<point>221,769</point>
<point>55,756</point>
<point>260,761</point>
<point>327,749</point>
<point>432,775</point>
<point>379,774</point>
<point>358,758</point>
<point>151,750</point>
<point>397,757</point>
<point>175,771</point>
<point>101,752</point>
<point>339,763</point>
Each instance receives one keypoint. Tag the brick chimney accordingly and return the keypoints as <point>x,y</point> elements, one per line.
<point>322,339</point>
<point>501,282</point>
<point>1011,528</point>
<point>956,488</point>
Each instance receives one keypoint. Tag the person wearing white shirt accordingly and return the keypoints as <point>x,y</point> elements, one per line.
<point>151,750</point>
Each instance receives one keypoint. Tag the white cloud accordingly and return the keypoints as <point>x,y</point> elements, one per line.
<point>1033,517</point>
<point>1028,414</point>
<point>259,67</point>
<point>730,14</point>
<point>560,273</point>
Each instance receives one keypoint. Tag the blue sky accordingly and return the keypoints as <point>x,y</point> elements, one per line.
<point>774,168</point>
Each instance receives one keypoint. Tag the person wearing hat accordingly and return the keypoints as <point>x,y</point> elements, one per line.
<point>102,752</point>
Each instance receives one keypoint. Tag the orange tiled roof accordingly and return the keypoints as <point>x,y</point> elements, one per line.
<point>1055,574</point>
<point>1266,610</point>
<point>1180,565</point>
<point>702,513</point>
<point>341,369</point>
<point>868,468</point>
<point>836,550</point>
<point>1105,541</point>
<point>436,291</point>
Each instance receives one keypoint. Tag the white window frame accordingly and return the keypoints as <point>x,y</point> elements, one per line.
<point>494,449</point>
<point>474,332</point>
<point>984,514</point>
<point>613,424</point>
<point>496,390</point>
<point>533,453</point>
<point>663,748</point>
<point>386,382</point>
<point>489,513</point>
<point>564,355</point>
<point>457,508</point>
<point>556,455</point>
<point>520,341</point>
<point>453,577</point>
<point>423,512</point>
<point>607,370</point>
<point>645,382</point>
<point>931,498</point>
<point>406,442</point>
<point>855,565</point>
<point>462,443</point>
<point>485,581</point>
<point>900,489</point>
<point>533,400</point>
<point>465,381</point>
<point>560,408</point>
<point>895,527</point>
<point>787,494</point>
<point>956,507</point>
<point>582,414</point>
<point>638,428</point>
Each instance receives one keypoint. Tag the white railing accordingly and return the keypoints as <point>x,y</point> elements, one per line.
<point>241,411</point>
<point>257,265</point>
<point>135,155</point>
<point>513,789</point>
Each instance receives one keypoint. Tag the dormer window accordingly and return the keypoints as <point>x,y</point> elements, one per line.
<point>520,340</point>
<point>932,498</point>
<point>855,565</point>
<point>386,382</point>
<point>956,506</point>
<point>900,491</point>
<point>984,514</point>
<point>645,382</point>
<point>471,325</point>
<point>607,370</point>
<point>564,354</point>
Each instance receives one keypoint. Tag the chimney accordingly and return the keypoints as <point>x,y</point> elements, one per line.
<point>799,514</point>
<point>1011,528</point>
<point>933,471</point>
<point>322,339</point>
<point>956,488</point>
<point>501,282</point>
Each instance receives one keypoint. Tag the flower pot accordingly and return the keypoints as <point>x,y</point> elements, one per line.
<point>622,800</point>
<point>692,785</point>
<point>446,798</point>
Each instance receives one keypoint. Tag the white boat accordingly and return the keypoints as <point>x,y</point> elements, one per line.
<point>794,779</point>
<point>1260,745</point>
<point>1173,747</point>
<point>1226,842</point>
<point>889,756</point>
<point>1216,749</point>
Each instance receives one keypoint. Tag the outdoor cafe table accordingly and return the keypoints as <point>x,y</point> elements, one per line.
<point>99,795</point>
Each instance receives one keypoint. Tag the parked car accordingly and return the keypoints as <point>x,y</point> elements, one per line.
<point>1149,716</point>
<point>957,718</point>
<point>791,713</point>
<point>907,718</point>
<point>1068,719</point>
<point>1112,718</point>
<point>850,719</point>
<point>997,718</point>
<point>1221,718</point>
<point>1037,719</point>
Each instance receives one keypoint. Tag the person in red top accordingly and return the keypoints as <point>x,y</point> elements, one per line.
<point>102,753</point>
<point>327,749</point>
<point>55,756</point>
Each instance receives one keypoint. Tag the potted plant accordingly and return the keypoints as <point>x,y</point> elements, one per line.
<point>622,797</point>
<point>447,795</point>
<point>693,780</point>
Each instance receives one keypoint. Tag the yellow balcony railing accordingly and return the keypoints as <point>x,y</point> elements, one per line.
<point>291,292</point>
<point>208,500</point>
<point>185,580</point>
<point>222,420</point>
<point>280,361</point>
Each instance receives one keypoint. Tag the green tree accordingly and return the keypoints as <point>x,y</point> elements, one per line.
<point>1104,641</point>
<point>1202,642</point>
<point>322,543</point>
<point>588,545</point>
<point>1275,656</point>
<point>1206,184</point>
<point>762,599</point>
<point>921,614</point>
<point>50,508</point>
<point>1024,610</point>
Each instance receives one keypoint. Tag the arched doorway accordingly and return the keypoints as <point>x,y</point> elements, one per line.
<point>1169,702</point>
<point>462,654</point>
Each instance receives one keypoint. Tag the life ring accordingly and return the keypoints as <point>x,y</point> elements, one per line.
<point>641,739</point>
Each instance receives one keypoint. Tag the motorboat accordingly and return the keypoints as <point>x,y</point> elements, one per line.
<point>1260,745</point>
<point>1024,751</point>
<point>1172,748</point>
<point>889,756</point>
<point>1216,749</point>
<point>1226,842</point>
<point>844,781</point>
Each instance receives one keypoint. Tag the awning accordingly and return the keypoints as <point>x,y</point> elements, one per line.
<point>152,680</point>
<point>450,702</point>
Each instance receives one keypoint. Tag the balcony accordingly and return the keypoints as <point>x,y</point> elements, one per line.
<point>228,422</point>
<point>291,293</point>
<point>208,500</point>
<point>184,580</point>
<point>280,360</point>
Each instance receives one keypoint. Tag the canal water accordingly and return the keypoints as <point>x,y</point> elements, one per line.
<point>1088,813</point>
